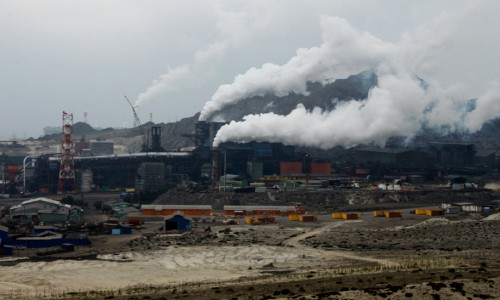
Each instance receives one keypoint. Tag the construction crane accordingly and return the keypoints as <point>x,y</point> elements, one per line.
<point>137,122</point>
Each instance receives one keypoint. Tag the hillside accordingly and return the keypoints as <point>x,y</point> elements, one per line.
<point>174,135</point>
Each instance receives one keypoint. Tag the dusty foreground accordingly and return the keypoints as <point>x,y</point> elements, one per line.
<point>413,257</point>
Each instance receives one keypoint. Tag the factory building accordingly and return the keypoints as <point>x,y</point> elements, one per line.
<point>150,176</point>
<point>246,210</point>
<point>452,155</point>
<point>46,211</point>
<point>99,169</point>
<point>167,210</point>
<point>97,148</point>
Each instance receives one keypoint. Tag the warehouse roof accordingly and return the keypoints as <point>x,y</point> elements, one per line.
<point>176,207</point>
<point>41,199</point>
<point>259,207</point>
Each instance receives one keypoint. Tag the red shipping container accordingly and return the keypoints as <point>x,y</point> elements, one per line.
<point>308,218</point>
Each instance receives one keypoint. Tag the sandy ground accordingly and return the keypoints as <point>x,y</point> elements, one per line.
<point>326,258</point>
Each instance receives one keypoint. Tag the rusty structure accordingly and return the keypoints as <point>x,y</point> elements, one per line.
<point>66,181</point>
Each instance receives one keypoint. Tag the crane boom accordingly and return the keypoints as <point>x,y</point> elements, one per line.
<point>137,122</point>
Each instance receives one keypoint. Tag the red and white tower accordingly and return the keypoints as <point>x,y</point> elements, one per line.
<point>67,168</point>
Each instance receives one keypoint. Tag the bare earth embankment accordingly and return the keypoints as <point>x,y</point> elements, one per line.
<point>417,257</point>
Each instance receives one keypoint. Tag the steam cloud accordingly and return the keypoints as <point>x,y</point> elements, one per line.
<point>400,105</point>
<point>234,29</point>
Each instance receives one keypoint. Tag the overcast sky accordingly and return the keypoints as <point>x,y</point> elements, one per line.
<point>169,57</point>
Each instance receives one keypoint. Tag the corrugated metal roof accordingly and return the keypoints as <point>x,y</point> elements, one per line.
<point>258,207</point>
<point>177,207</point>
<point>41,199</point>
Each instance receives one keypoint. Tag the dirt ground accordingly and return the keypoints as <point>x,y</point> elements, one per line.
<point>413,257</point>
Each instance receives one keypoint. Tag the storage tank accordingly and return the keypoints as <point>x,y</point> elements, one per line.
<point>87,181</point>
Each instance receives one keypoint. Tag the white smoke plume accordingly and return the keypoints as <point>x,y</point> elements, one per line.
<point>177,78</point>
<point>233,29</point>
<point>343,52</point>
<point>400,105</point>
<point>487,108</point>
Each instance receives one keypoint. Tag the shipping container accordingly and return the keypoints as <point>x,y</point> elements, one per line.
<point>307,218</point>
<point>434,212</point>
<point>392,214</point>
<point>294,217</point>
<point>350,216</point>
<point>378,213</point>
<point>337,215</point>
<point>420,211</point>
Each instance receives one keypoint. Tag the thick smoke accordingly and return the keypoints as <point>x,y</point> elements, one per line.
<point>400,105</point>
<point>343,52</point>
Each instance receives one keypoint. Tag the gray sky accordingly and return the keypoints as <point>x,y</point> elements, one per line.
<point>171,56</point>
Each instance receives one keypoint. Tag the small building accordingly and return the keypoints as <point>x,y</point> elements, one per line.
<point>450,208</point>
<point>468,207</point>
<point>177,222</point>
<point>45,210</point>
<point>167,210</point>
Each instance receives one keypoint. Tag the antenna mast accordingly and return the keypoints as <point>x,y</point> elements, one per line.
<point>67,168</point>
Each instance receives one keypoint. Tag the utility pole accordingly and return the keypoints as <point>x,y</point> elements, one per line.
<point>4,172</point>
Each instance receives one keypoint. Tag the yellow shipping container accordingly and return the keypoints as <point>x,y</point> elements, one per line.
<point>293,217</point>
<point>249,220</point>
<point>337,215</point>
<point>420,211</point>
<point>378,213</point>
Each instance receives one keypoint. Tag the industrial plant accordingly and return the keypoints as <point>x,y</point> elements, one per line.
<point>93,166</point>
